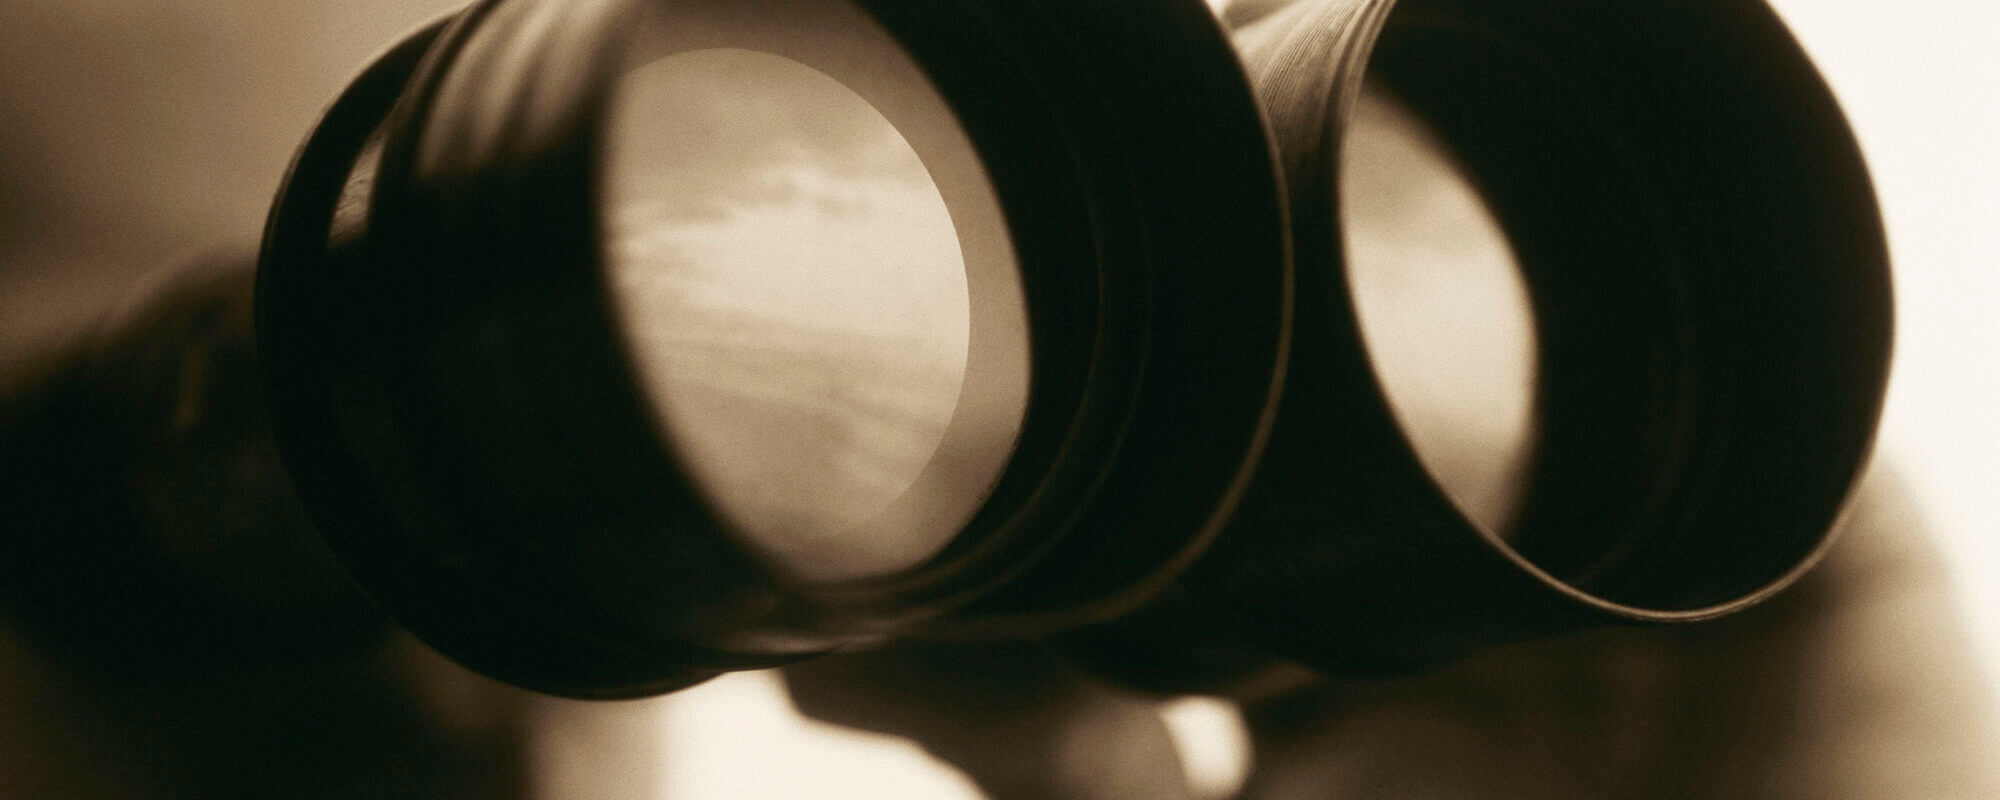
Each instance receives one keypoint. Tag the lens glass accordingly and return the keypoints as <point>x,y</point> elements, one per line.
<point>1442,305</point>
<point>824,311</point>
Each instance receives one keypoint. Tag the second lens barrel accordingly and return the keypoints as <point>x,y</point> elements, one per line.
<point>1708,280</point>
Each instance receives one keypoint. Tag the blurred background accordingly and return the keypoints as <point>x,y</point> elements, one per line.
<point>138,134</point>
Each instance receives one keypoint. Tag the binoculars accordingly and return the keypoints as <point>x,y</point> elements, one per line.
<point>521,299</point>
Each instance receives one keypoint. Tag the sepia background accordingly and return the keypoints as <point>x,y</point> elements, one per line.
<point>136,134</point>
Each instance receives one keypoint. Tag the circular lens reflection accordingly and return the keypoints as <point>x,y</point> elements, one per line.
<point>793,278</point>
<point>1442,306</point>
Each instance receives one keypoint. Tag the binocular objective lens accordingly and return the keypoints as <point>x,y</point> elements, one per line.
<point>1443,308</point>
<point>795,296</point>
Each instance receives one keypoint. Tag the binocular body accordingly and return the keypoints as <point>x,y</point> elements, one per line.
<point>1198,470</point>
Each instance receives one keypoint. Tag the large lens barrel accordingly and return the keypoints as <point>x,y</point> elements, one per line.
<point>582,414</point>
<point>470,417</point>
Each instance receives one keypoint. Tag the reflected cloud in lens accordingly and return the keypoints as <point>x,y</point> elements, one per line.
<point>795,291</point>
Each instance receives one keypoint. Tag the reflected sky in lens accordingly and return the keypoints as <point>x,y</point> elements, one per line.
<point>794,290</point>
<point>1442,306</point>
